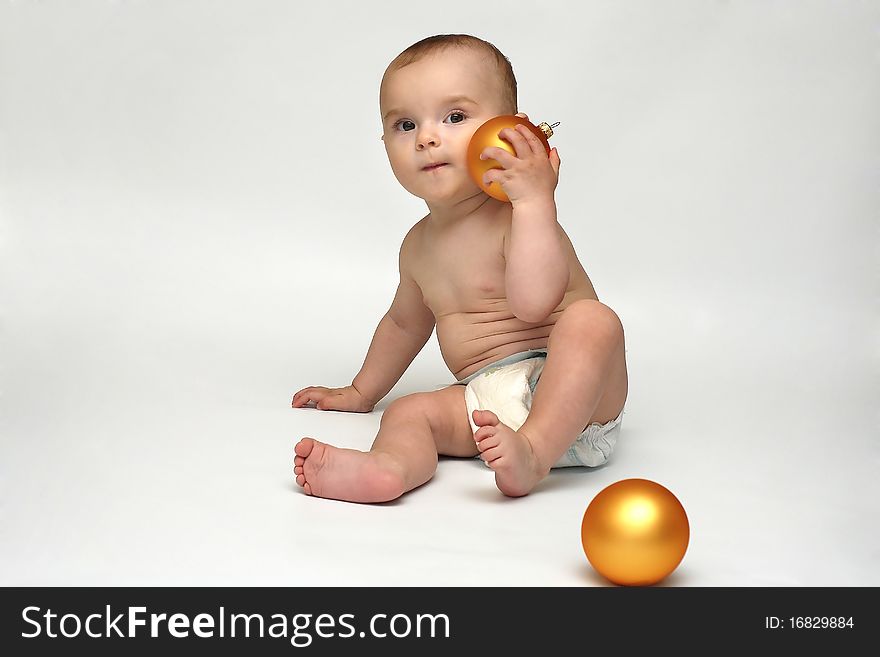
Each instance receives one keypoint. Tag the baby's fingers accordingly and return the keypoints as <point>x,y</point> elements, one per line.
<point>554,160</point>
<point>307,395</point>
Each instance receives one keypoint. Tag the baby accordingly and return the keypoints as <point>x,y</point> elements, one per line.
<point>518,321</point>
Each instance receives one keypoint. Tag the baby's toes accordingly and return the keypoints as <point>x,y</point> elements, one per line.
<point>298,470</point>
<point>484,432</point>
<point>304,447</point>
<point>298,460</point>
<point>484,418</point>
<point>492,454</point>
<point>488,443</point>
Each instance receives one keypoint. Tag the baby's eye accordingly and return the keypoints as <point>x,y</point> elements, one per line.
<point>405,124</point>
<point>461,117</point>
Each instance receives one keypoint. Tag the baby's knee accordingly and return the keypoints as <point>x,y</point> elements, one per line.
<point>588,316</point>
<point>409,407</point>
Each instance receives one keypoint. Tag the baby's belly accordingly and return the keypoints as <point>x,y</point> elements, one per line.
<point>471,340</point>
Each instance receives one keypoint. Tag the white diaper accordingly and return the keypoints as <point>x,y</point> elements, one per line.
<point>506,389</point>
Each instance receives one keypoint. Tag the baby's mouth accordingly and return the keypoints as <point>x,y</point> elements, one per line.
<point>431,167</point>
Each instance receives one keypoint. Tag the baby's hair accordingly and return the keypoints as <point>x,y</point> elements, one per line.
<point>441,42</point>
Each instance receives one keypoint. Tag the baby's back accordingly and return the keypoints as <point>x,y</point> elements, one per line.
<point>460,270</point>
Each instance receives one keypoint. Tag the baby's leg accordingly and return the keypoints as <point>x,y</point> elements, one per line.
<point>584,381</point>
<point>403,456</point>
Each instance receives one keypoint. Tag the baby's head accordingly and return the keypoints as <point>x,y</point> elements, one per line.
<point>433,97</point>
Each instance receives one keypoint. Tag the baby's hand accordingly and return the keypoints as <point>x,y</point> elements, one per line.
<point>530,174</point>
<point>333,399</point>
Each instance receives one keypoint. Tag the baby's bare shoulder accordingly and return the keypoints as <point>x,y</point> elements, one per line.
<point>410,247</point>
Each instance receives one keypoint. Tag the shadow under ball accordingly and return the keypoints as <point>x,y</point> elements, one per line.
<point>487,135</point>
<point>635,532</point>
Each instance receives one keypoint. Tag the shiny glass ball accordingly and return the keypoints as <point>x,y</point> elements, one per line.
<point>487,135</point>
<point>635,532</point>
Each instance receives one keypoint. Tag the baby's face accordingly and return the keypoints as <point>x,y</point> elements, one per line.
<point>430,109</point>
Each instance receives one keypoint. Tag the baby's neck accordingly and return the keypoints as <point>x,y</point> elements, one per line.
<point>447,215</point>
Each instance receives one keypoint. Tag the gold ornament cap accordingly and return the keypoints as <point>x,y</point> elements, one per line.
<point>546,128</point>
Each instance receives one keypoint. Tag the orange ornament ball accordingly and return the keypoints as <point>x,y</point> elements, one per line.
<point>635,532</point>
<point>487,135</point>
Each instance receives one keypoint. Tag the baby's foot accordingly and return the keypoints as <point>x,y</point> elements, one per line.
<point>345,474</point>
<point>508,453</point>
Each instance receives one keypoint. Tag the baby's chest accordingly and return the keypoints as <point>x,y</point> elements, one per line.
<point>461,275</point>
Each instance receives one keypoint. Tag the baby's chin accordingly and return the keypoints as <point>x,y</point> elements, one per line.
<point>434,195</point>
<point>445,195</point>
<point>445,200</point>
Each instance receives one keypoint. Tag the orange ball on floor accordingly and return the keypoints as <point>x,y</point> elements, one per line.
<point>635,532</point>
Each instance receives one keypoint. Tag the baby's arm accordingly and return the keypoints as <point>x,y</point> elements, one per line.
<point>536,271</point>
<point>400,336</point>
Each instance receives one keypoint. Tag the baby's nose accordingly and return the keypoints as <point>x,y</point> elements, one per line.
<point>427,137</point>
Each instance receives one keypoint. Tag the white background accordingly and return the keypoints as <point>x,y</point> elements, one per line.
<point>197,219</point>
